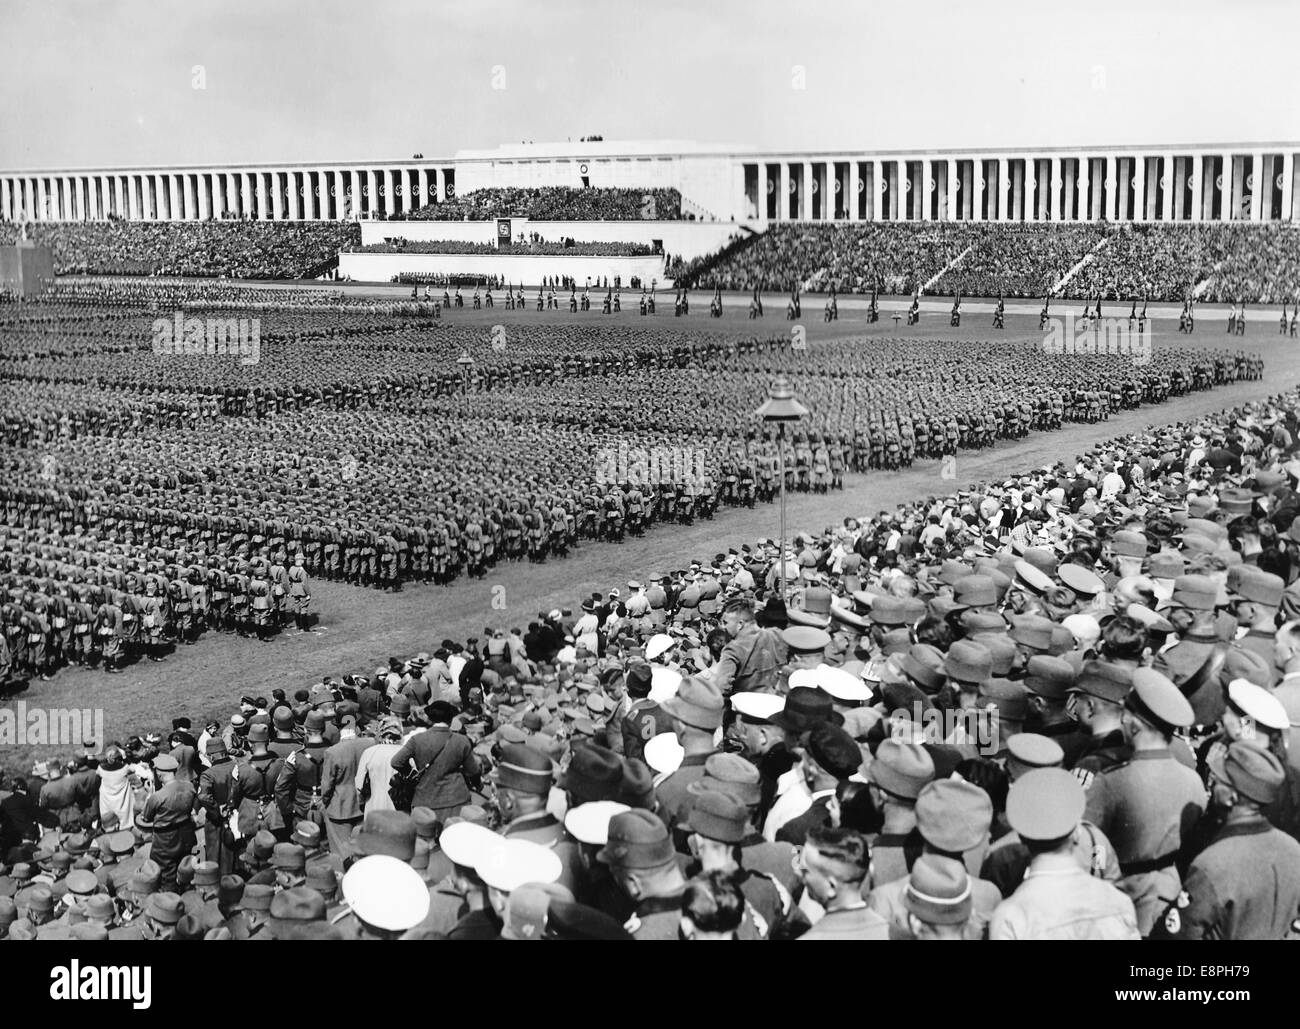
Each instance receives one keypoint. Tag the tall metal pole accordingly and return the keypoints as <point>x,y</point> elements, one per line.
<point>780,543</point>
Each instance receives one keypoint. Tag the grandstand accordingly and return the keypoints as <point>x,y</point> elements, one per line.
<point>1253,181</point>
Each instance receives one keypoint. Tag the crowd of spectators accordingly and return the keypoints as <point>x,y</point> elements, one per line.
<point>556,203</point>
<point>536,248</point>
<point>202,249</point>
<point>1226,263</point>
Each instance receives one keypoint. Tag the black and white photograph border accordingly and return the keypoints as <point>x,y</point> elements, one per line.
<point>429,513</point>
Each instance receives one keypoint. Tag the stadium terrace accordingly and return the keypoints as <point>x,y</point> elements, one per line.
<point>1170,182</point>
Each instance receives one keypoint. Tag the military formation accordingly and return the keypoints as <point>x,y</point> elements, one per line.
<point>173,495</point>
<point>1061,705</point>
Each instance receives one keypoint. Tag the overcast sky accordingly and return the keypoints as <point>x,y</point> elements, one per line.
<point>128,82</point>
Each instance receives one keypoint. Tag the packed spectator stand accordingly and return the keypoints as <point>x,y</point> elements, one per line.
<point>1212,262</point>
<point>554,203</point>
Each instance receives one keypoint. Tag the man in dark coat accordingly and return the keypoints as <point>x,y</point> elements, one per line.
<point>445,761</point>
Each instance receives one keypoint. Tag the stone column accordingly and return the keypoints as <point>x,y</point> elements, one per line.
<point>1257,189</point>
<point>1081,183</point>
<point>1288,186</point>
<point>1226,191</point>
<point>1111,187</point>
<point>1168,183</point>
<point>1055,211</point>
<point>951,193</point>
<point>1139,188</point>
<point>1197,174</point>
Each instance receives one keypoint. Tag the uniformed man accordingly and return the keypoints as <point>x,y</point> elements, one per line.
<point>252,791</point>
<point>834,866</point>
<point>213,797</point>
<point>645,718</point>
<point>753,655</point>
<point>119,861</point>
<point>953,818</point>
<point>168,814</point>
<point>1246,884</point>
<point>938,899</point>
<point>505,865</point>
<point>299,790</point>
<point>1096,701</point>
<point>761,741</point>
<point>1058,899</point>
<point>524,777</point>
<point>897,776</point>
<point>805,648</point>
<point>385,899</point>
<point>1050,680</point>
<point>643,864</point>
<point>1149,805</point>
<point>696,711</point>
<point>717,823</point>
